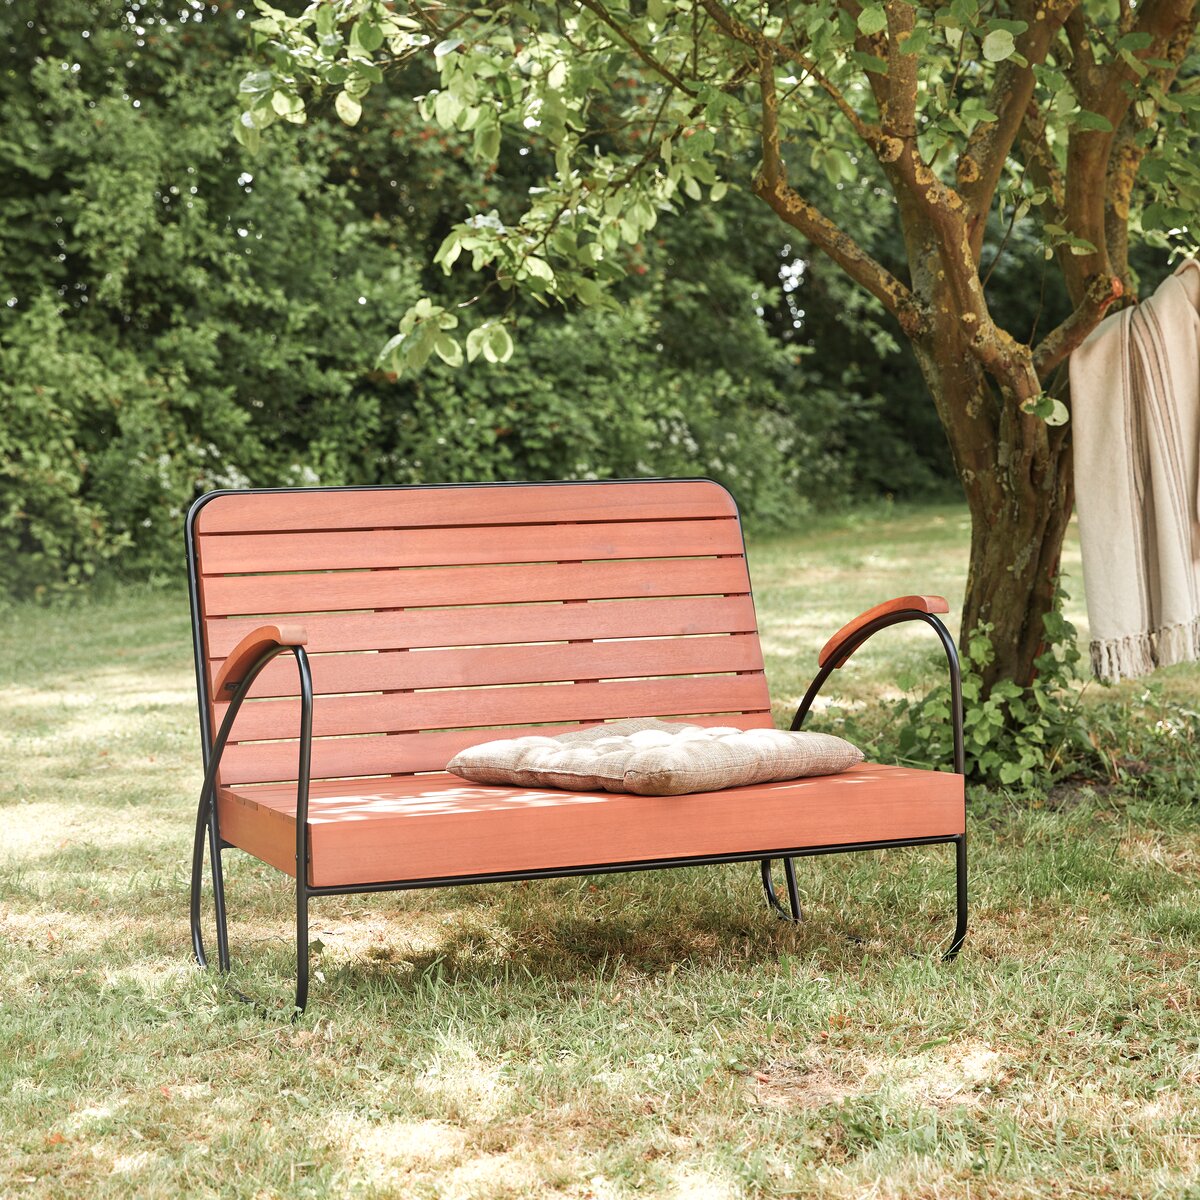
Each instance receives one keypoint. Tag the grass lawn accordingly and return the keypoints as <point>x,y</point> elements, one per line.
<point>655,1035</point>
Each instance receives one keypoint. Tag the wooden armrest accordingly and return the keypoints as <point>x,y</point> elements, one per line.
<point>925,604</point>
<point>250,649</point>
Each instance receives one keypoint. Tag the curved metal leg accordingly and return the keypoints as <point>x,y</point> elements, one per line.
<point>960,897</point>
<point>789,875</point>
<point>207,828</point>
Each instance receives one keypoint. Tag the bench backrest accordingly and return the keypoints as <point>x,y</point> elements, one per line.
<point>430,610</point>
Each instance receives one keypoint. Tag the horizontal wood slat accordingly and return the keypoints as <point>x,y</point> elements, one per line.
<point>504,624</point>
<point>404,753</point>
<point>480,666</point>
<point>418,587</point>
<point>479,505</point>
<point>259,552</point>
<point>342,715</point>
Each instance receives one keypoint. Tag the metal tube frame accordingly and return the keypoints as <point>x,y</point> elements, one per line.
<point>208,828</point>
<point>207,823</point>
<point>840,653</point>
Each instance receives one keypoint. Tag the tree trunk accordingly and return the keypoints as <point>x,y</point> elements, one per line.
<point>1016,475</point>
<point>1016,548</point>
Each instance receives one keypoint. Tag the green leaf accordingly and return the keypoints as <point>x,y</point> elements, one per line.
<point>286,104</point>
<point>448,350</point>
<point>487,137</point>
<point>539,268</point>
<point>974,109</point>
<point>1155,170</point>
<point>449,250</point>
<point>872,19</point>
<point>499,345</point>
<point>390,346</point>
<point>1058,413</point>
<point>717,191</point>
<point>348,108</point>
<point>447,47</point>
<point>447,108</point>
<point>1084,119</point>
<point>475,342</point>
<point>1010,772</point>
<point>917,41</point>
<point>368,35</point>
<point>998,45</point>
<point>255,83</point>
<point>1134,63</point>
<point>1136,41</point>
<point>246,134</point>
<point>869,62</point>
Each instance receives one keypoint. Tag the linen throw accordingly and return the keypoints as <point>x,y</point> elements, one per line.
<point>1135,398</point>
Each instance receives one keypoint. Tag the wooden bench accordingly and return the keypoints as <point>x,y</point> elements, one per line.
<point>421,620</point>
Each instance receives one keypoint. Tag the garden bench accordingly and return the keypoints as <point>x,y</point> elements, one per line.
<point>416,621</point>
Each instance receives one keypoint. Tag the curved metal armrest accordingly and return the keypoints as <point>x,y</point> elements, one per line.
<point>843,644</point>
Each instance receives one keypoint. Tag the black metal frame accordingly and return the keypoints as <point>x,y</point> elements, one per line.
<point>842,651</point>
<point>208,829</point>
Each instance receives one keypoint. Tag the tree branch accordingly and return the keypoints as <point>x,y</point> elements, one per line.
<point>1102,292</point>
<point>772,169</point>
<point>899,113</point>
<point>848,254</point>
<point>981,164</point>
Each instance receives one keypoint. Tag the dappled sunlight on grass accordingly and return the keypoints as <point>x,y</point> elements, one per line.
<point>655,1035</point>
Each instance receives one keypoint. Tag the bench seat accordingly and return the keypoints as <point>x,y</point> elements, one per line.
<point>437,826</point>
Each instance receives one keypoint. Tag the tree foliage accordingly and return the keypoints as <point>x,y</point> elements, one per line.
<point>1070,123</point>
<point>964,106</point>
<point>175,316</point>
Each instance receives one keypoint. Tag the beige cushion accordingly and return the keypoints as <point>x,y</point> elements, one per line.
<point>655,758</point>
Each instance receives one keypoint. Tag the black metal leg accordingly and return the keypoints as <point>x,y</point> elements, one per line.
<point>197,881</point>
<point>206,829</point>
<point>218,878</point>
<point>960,897</point>
<point>789,874</point>
<point>301,945</point>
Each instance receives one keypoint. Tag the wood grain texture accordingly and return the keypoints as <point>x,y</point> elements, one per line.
<point>491,504</point>
<point>482,666</point>
<point>925,604</point>
<point>465,545</point>
<point>503,583</point>
<point>408,712</point>
<point>424,827</point>
<point>505,623</point>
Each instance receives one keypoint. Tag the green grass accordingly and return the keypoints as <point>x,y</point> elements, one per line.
<point>651,1035</point>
